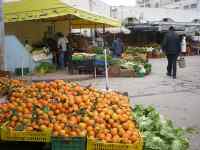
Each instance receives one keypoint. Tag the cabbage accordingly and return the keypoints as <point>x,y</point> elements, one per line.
<point>45,67</point>
<point>156,143</point>
<point>179,145</point>
<point>158,132</point>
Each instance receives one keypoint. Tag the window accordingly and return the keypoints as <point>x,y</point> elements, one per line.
<point>193,5</point>
<point>148,5</point>
<point>130,19</point>
<point>186,7</point>
<point>157,5</point>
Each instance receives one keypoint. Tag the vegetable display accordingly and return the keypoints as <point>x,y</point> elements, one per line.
<point>136,50</point>
<point>70,110</point>
<point>45,67</point>
<point>140,69</point>
<point>159,133</point>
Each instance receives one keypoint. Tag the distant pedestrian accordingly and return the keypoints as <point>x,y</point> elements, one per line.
<point>183,46</point>
<point>118,47</point>
<point>172,47</point>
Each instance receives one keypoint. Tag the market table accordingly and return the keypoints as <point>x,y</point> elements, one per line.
<point>83,62</point>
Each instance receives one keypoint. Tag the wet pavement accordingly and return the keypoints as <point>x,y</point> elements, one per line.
<point>177,99</point>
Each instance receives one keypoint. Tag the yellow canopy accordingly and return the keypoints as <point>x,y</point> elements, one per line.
<point>25,10</point>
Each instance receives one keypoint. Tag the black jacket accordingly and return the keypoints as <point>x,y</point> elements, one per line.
<point>171,43</point>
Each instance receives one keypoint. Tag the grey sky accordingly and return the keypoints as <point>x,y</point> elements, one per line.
<point>120,2</point>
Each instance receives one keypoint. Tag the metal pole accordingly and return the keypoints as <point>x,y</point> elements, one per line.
<point>106,70</point>
<point>2,36</point>
<point>103,35</point>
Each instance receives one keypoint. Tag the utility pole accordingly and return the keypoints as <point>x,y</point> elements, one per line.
<point>2,65</point>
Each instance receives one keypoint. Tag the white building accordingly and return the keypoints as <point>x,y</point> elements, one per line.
<point>96,6</point>
<point>184,4</point>
<point>174,4</point>
<point>154,14</point>
<point>148,3</point>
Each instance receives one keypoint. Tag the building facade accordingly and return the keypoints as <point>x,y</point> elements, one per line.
<point>171,4</point>
<point>145,15</point>
<point>96,6</point>
<point>148,3</point>
<point>184,4</point>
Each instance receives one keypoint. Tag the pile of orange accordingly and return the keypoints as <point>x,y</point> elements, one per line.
<point>70,110</point>
<point>7,86</point>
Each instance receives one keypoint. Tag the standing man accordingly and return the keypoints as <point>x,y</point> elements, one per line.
<point>118,47</point>
<point>62,46</point>
<point>172,47</point>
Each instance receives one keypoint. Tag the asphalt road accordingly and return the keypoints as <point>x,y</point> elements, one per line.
<point>177,99</point>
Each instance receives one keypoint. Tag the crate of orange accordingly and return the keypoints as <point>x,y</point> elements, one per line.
<point>93,144</point>
<point>28,136</point>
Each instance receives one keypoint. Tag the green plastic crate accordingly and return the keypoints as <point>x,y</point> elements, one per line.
<point>78,58</point>
<point>18,71</point>
<point>71,143</point>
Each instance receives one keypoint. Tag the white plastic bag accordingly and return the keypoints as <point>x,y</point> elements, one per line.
<point>182,62</point>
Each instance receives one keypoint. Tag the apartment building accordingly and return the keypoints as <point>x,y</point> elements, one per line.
<point>171,4</point>
<point>151,3</point>
<point>144,15</point>
<point>184,4</point>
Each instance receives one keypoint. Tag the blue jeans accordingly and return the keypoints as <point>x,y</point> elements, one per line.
<point>116,55</point>
<point>62,60</point>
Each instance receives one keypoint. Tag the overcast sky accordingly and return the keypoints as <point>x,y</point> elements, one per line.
<point>120,2</point>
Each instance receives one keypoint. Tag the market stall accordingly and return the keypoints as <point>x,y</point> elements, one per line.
<point>50,17</point>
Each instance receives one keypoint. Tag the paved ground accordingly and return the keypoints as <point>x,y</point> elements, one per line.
<point>178,99</point>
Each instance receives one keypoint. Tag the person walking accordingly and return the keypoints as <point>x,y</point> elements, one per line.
<point>183,46</point>
<point>118,47</point>
<point>172,47</point>
<point>62,46</point>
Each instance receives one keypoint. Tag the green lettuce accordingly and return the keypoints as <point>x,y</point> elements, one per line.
<point>158,132</point>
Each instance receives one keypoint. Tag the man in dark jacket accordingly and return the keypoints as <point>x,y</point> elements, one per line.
<point>172,47</point>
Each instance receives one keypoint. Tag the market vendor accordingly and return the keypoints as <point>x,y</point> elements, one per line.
<point>62,46</point>
<point>118,47</point>
<point>83,44</point>
<point>52,45</point>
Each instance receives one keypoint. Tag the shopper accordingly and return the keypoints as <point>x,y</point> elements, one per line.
<point>28,46</point>
<point>52,45</point>
<point>172,47</point>
<point>62,46</point>
<point>118,47</point>
<point>183,46</point>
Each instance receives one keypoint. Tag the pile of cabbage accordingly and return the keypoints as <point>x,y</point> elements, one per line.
<point>140,69</point>
<point>159,133</point>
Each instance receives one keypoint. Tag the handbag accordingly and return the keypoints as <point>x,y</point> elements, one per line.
<point>182,62</point>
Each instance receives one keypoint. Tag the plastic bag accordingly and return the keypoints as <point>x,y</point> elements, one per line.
<point>182,62</point>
